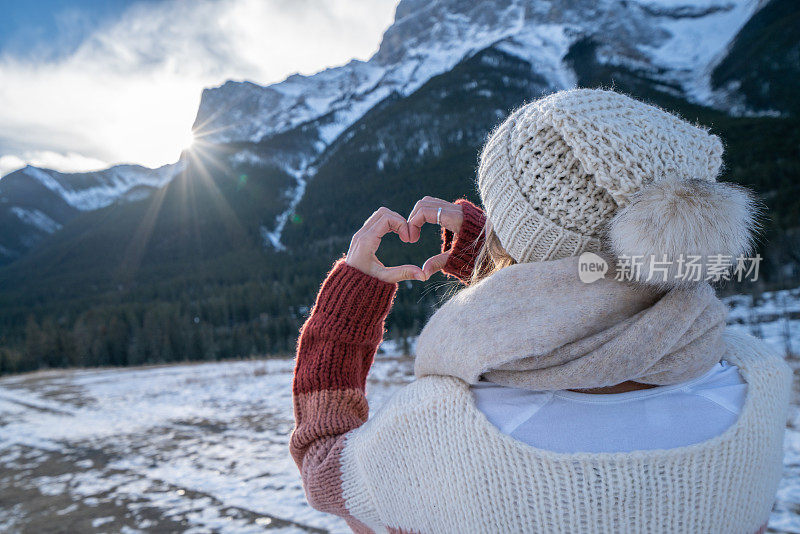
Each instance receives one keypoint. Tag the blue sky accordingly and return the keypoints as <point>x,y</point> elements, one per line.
<point>53,27</point>
<point>86,84</point>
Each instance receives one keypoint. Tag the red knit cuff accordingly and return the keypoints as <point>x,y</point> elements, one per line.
<point>465,245</point>
<point>352,305</point>
<point>338,341</point>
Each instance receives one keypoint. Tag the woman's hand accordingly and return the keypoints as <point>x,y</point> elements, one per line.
<point>366,241</point>
<point>427,211</point>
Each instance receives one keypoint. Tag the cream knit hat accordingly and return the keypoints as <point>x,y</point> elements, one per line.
<point>557,172</point>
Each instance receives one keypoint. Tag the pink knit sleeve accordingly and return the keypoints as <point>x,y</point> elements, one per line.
<point>334,354</point>
<point>465,245</point>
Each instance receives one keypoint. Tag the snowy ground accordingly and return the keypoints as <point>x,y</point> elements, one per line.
<point>189,447</point>
<point>204,447</point>
<point>775,318</point>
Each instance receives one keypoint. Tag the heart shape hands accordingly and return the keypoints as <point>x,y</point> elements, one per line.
<point>364,244</point>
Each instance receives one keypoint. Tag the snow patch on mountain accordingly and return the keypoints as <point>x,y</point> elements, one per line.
<point>544,47</point>
<point>91,191</point>
<point>273,237</point>
<point>36,218</point>
<point>700,33</point>
<point>8,253</point>
<point>247,157</point>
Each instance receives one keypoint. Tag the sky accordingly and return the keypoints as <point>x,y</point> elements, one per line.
<point>85,84</point>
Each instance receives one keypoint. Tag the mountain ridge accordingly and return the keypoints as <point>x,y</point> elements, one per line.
<point>447,32</point>
<point>36,203</point>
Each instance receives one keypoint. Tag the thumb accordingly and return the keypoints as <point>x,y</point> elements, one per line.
<point>435,264</point>
<point>402,272</point>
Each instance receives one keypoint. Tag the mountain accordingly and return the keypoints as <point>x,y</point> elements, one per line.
<point>225,257</point>
<point>671,46</point>
<point>35,203</point>
<point>762,68</point>
<point>675,44</point>
<point>677,47</point>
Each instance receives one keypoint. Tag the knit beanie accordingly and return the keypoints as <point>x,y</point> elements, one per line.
<point>590,170</point>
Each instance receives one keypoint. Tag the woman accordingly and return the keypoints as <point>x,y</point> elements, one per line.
<point>543,403</point>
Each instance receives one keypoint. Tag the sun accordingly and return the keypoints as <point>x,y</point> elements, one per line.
<point>187,140</point>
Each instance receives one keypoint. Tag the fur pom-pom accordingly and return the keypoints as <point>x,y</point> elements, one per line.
<point>678,232</point>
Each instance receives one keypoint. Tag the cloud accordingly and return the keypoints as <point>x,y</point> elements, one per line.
<point>69,162</point>
<point>129,92</point>
<point>10,163</point>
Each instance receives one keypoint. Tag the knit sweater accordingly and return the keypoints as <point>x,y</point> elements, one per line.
<point>429,461</point>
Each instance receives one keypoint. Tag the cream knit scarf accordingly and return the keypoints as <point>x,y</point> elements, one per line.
<point>537,326</point>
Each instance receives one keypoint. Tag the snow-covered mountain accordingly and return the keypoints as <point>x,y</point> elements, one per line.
<point>673,45</point>
<point>676,42</point>
<point>95,190</point>
<point>35,203</point>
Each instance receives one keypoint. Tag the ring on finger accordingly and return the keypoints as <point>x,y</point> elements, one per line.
<point>439,216</point>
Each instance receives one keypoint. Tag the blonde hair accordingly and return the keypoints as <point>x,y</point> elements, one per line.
<point>491,257</point>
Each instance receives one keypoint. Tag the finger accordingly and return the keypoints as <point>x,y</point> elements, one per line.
<point>436,203</point>
<point>414,230</point>
<point>435,264</point>
<point>421,214</point>
<point>384,221</point>
<point>402,272</point>
<point>366,241</point>
<point>427,213</point>
<point>394,222</point>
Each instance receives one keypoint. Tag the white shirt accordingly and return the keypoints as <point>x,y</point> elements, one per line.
<point>657,418</point>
